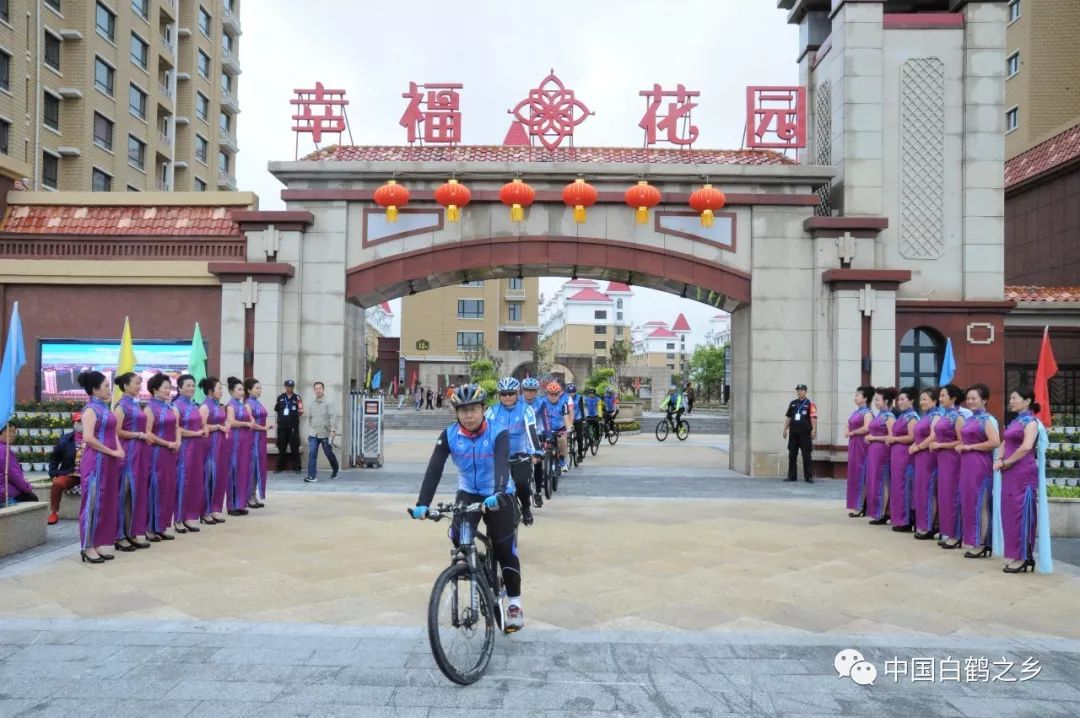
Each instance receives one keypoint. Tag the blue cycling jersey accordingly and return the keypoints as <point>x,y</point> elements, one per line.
<point>482,460</point>
<point>520,421</point>
<point>543,425</point>
<point>555,411</point>
<point>592,406</point>
<point>575,401</point>
<point>609,404</point>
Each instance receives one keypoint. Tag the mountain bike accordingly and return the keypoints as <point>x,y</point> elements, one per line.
<point>572,457</point>
<point>592,435</point>
<point>682,430</point>
<point>466,605</point>
<point>611,432</point>
<point>551,468</point>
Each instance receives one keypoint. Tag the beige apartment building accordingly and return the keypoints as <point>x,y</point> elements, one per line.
<point>442,329</point>
<point>584,318</point>
<point>1042,71</point>
<point>121,94</point>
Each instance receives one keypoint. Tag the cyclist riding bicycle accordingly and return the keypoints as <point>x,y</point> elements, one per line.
<point>611,409</point>
<point>577,408</point>
<point>481,453</point>
<point>514,415</point>
<point>673,403</point>
<point>530,389</point>
<point>593,408</point>
<point>557,410</point>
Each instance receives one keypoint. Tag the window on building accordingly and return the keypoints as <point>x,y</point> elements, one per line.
<point>670,356</point>
<point>203,65</point>
<point>470,308</point>
<point>517,283</point>
<point>204,21</point>
<point>513,342</point>
<point>670,366</point>
<point>223,162</point>
<point>5,71</point>
<point>226,42</point>
<point>599,329</point>
<point>224,123</point>
<point>671,345</point>
<point>105,21</point>
<point>5,135</point>
<point>99,181</point>
<point>600,314</point>
<point>54,4</point>
<point>230,5</point>
<point>103,76</point>
<point>200,185</point>
<point>479,283</point>
<point>920,358</point>
<point>136,152</point>
<point>50,170</point>
<point>1014,10</point>
<point>618,303</point>
<point>1012,119</point>
<point>52,51</point>
<point>201,148</point>
<point>137,102</point>
<point>52,111</point>
<point>1012,64</point>
<point>5,11</point>
<point>226,83</point>
<point>469,341</point>
<point>599,345</point>
<point>202,106</point>
<point>618,316</point>
<point>514,312</point>
<point>140,51</point>
<point>142,7</point>
<point>103,131</point>
<point>618,331</point>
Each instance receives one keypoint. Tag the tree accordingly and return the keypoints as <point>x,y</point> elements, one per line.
<point>540,353</point>
<point>600,379</point>
<point>483,372</point>
<point>707,370</point>
<point>620,352</point>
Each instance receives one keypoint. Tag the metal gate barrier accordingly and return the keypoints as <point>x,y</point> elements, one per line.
<point>366,447</point>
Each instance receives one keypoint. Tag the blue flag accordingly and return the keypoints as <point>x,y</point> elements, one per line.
<point>14,359</point>
<point>948,365</point>
<point>376,381</point>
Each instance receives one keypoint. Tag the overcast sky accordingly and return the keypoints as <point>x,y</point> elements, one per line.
<point>605,50</point>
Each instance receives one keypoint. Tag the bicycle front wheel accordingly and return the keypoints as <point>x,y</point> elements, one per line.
<point>661,430</point>
<point>461,624</point>
<point>594,440</point>
<point>613,435</point>
<point>683,430</point>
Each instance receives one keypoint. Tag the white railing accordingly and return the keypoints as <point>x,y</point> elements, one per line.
<point>165,89</point>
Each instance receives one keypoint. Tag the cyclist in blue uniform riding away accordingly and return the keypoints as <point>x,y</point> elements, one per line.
<point>673,404</point>
<point>611,408</point>
<point>559,418</point>
<point>481,453</point>
<point>593,409</point>
<point>530,389</point>
<point>518,418</point>
<point>577,410</point>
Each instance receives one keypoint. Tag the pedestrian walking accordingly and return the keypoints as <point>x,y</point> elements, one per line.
<point>289,407</point>
<point>800,430</point>
<point>689,393</point>
<point>322,428</point>
<point>430,396</point>
<point>418,400</point>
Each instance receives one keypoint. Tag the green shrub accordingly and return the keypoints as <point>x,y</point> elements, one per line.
<point>628,425</point>
<point>1063,492</point>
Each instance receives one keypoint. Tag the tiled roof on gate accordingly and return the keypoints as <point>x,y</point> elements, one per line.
<point>1035,293</point>
<point>661,333</point>
<point>498,153</point>
<point>589,295</point>
<point>120,221</point>
<point>1043,157</point>
<point>680,325</point>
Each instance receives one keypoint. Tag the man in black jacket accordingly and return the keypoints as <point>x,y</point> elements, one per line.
<point>64,468</point>
<point>289,408</point>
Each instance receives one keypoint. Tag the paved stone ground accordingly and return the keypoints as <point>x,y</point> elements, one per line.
<point>656,584</point>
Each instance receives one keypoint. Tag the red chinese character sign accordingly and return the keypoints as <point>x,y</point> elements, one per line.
<point>550,113</point>
<point>319,110</point>
<point>433,114</point>
<point>776,117</point>
<point>674,120</point>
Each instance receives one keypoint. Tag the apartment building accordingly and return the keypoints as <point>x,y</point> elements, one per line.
<point>719,332</point>
<point>1042,71</point>
<point>658,345</point>
<point>442,329</point>
<point>582,320</point>
<point>115,95</point>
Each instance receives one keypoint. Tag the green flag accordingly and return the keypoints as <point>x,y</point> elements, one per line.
<point>197,362</point>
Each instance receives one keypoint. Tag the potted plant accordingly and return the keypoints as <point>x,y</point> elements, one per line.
<point>1053,459</point>
<point>1068,459</point>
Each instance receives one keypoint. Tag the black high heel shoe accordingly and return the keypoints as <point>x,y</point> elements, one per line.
<point>879,522</point>
<point>107,556</point>
<point>153,537</point>
<point>924,535</point>
<point>209,521</point>
<point>91,559</point>
<point>138,544</point>
<point>179,529</point>
<point>856,514</point>
<point>978,554</point>
<point>902,529</point>
<point>121,547</point>
<point>167,537</point>
<point>238,512</point>
<point>1022,568</point>
<point>947,545</point>
<point>192,529</point>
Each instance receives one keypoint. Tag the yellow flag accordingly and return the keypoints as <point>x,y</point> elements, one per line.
<point>126,362</point>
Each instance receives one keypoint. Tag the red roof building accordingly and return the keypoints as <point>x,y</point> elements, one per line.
<point>680,325</point>
<point>589,295</point>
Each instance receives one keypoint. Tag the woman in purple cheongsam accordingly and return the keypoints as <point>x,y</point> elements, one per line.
<point>924,489</point>
<point>190,487</point>
<point>100,471</point>
<point>945,437</point>
<point>980,439</point>
<point>877,456</point>
<point>164,425</point>
<point>901,467</point>
<point>135,471</point>
<point>216,463</point>
<point>257,495</point>
<point>858,426</point>
<point>241,442</point>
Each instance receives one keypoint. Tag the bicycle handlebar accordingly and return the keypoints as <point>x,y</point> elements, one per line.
<point>440,511</point>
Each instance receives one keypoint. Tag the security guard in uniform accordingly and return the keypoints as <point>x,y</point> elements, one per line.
<point>289,408</point>
<point>800,430</point>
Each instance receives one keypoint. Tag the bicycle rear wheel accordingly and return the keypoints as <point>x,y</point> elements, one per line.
<point>594,439</point>
<point>461,634</point>
<point>613,435</point>
<point>661,430</point>
<point>549,473</point>
<point>682,430</point>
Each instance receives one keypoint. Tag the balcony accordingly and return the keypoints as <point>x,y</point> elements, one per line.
<point>230,20</point>
<point>164,138</point>
<point>510,325</point>
<point>226,180</point>
<point>227,142</point>
<point>228,101</point>
<point>514,295</point>
<point>230,63</point>
<point>162,186</point>
<point>167,47</point>
<point>169,7</point>
<point>165,90</point>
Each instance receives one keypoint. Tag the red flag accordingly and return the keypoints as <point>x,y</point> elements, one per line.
<point>414,378</point>
<point>393,386</point>
<point>1048,368</point>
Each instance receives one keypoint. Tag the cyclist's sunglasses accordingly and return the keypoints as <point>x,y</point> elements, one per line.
<point>507,393</point>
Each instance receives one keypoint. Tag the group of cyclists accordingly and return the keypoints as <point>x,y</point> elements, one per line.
<point>507,456</point>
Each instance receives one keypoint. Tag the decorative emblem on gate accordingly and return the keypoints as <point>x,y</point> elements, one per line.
<point>984,328</point>
<point>551,112</point>
<point>422,345</point>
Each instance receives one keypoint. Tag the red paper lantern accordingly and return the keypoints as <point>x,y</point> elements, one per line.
<point>707,200</point>
<point>453,195</point>
<point>392,196</point>
<point>642,196</point>
<point>517,195</point>
<point>579,194</point>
